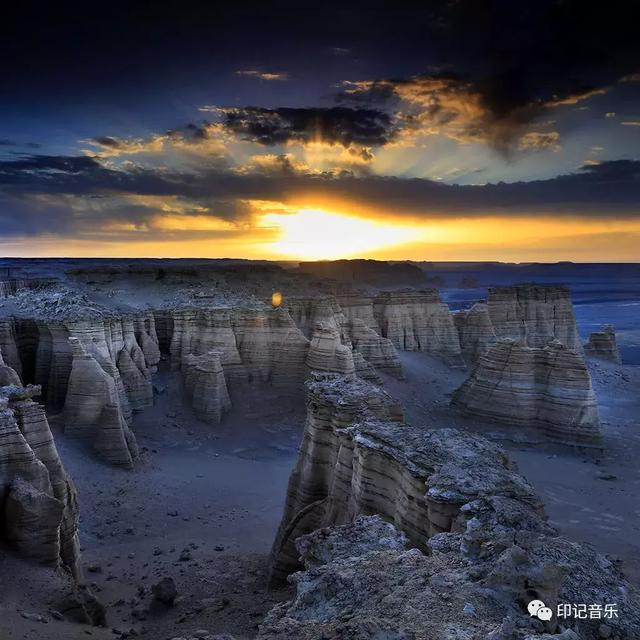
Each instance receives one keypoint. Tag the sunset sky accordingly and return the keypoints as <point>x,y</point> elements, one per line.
<point>466,130</point>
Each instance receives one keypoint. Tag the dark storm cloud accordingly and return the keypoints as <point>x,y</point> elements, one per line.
<point>505,63</point>
<point>334,125</point>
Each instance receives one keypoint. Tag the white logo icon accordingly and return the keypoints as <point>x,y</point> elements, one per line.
<point>539,609</point>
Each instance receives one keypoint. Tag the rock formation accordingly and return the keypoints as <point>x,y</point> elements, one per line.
<point>93,409</point>
<point>418,321</point>
<point>38,507</point>
<point>8,345</point>
<point>367,488</point>
<point>357,457</point>
<point>327,354</point>
<point>602,344</point>
<point>475,331</point>
<point>534,315</point>
<point>8,376</point>
<point>255,345</point>
<point>361,582</point>
<point>205,386</point>
<point>351,315</point>
<point>547,389</point>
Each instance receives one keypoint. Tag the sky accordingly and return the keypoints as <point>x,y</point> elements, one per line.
<point>459,130</point>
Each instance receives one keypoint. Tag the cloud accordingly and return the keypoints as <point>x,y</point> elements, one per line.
<point>445,105</point>
<point>6,142</point>
<point>263,75</point>
<point>631,123</point>
<point>81,194</point>
<point>332,125</point>
<point>537,141</point>
<point>204,137</point>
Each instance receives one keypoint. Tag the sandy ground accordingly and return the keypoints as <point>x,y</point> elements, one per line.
<point>590,498</point>
<point>202,507</point>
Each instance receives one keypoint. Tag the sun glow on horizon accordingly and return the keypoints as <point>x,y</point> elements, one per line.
<point>315,234</point>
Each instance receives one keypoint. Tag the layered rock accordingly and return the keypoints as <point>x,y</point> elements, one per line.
<point>271,346</point>
<point>327,354</point>
<point>8,376</point>
<point>147,338</point>
<point>307,313</point>
<point>547,389</point>
<point>418,321</point>
<point>38,502</point>
<point>255,345</point>
<point>409,533</point>
<point>602,344</point>
<point>93,409</point>
<point>379,352</point>
<point>534,314</point>
<point>475,331</point>
<point>8,345</point>
<point>205,386</point>
<point>351,315</point>
<point>357,457</point>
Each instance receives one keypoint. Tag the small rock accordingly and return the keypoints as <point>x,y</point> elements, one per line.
<point>185,555</point>
<point>604,631</point>
<point>139,613</point>
<point>34,617</point>
<point>165,591</point>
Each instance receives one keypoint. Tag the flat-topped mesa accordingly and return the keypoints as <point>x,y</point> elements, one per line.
<point>475,331</point>
<point>39,507</point>
<point>205,386</point>
<point>546,389</point>
<point>327,354</point>
<point>602,344</point>
<point>418,321</point>
<point>534,314</point>
<point>93,409</point>
<point>357,457</point>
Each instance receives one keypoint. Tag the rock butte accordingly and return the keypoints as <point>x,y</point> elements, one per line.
<point>602,344</point>
<point>532,314</point>
<point>547,389</point>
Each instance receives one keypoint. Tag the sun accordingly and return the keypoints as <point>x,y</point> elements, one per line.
<point>315,234</point>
